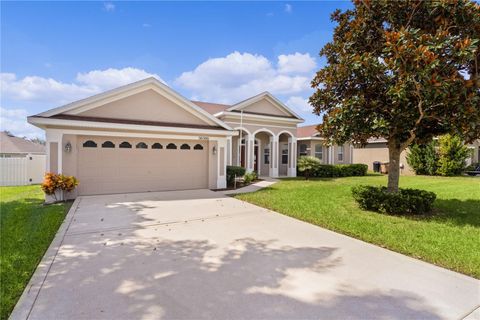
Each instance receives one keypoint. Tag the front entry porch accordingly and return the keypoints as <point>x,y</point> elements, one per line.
<point>264,152</point>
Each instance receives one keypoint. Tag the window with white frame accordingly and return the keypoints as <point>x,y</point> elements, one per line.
<point>303,149</point>
<point>319,151</point>
<point>341,151</point>
<point>285,154</point>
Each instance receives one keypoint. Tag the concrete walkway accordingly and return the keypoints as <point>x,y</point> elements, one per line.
<point>202,255</point>
<point>264,183</point>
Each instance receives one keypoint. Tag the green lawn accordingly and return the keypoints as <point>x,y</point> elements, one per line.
<point>26,229</point>
<point>449,238</point>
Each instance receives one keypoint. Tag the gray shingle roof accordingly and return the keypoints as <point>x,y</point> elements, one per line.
<point>11,144</point>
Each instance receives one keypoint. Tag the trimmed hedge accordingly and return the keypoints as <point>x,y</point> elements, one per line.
<point>404,202</point>
<point>338,170</point>
<point>233,171</point>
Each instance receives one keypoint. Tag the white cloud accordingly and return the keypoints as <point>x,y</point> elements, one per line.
<point>296,63</point>
<point>111,78</point>
<point>288,8</point>
<point>299,104</point>
<point>54,92</point>
<point>15,121</point>
<point>240,75</point>
<point>108,6</point>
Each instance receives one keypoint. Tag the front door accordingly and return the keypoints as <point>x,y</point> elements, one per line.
<point>242,156</point>
<point>255,157</point>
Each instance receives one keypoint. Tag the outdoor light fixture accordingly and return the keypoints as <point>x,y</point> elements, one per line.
<point>214,150</point>
<point>68,147</point>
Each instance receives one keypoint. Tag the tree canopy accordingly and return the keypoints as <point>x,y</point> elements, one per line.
<point>406,71</point>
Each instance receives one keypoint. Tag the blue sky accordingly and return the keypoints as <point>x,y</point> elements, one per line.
<point>53,53</point>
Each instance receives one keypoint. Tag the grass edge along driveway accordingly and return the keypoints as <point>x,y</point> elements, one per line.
<point>449,238</point>
<point>27,228</point>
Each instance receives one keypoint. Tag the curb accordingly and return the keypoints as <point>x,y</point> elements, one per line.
<point>30,293</point>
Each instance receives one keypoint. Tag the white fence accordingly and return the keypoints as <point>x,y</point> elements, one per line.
<point>22,171</point>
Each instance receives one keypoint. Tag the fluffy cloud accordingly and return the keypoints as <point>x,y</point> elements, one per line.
<point>34,93</point>
<point>54,92</point>
<point>296,63</point>
<point>108,6</point>
<point>14,120</point>
<point>241,75</point>
<point>299,104</point>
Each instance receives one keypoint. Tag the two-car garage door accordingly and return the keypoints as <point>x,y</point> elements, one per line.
<point>117,165</point>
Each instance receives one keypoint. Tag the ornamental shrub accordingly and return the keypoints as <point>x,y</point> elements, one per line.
<point>423,159</point>
<point>447,157</point>
<point>453,154</point>
<point>249,177</point>
<point>307,165</point>
<point>404,202</point>
<point>233,171</point>
<point>339,170</point>
<point>53,182</point>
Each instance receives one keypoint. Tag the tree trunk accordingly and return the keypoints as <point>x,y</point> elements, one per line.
<point>394,151</point>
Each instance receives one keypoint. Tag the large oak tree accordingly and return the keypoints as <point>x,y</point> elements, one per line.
<point>406,71</point>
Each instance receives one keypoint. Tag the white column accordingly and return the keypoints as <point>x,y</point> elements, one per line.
<point>221,163</point>
<point>54,136</point>
<point>274,156</point>
<point>292,167</point>
<point>250,149</point>
<point>229,151</point>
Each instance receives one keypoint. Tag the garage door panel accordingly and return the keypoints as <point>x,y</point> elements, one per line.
<point>116,170</point>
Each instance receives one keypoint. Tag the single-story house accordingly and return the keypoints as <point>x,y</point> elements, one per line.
<point>376,150</point>
<point>22,161</point>
<point>146,137</point>
<point>311,143</point>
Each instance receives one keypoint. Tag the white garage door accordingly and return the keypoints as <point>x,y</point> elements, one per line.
<point>118,165</point>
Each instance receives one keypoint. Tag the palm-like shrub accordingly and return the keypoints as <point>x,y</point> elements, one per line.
<point>307,165</point>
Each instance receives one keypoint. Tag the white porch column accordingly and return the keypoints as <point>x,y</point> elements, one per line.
<point>274,156</point>
<point>250,152</point>
<point>330,154</point>
<point>53,136</point>
<point>222,163</point>
<point>229,151</point>
<point>292,148</point>
<point>54,143</point>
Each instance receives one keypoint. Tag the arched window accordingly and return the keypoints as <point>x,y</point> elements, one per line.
<point>125,144</point>
<point>108,144</point>
<point>198,147</point>
<point>141,145</point>
<point>171,146</point>
<point>157,146</point>
<point>89,144</point>
<point>185,147</point>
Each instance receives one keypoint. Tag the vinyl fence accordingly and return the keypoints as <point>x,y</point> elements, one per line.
<point>22,171</point>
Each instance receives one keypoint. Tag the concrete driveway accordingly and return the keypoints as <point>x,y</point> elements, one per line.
<point>201,255</point>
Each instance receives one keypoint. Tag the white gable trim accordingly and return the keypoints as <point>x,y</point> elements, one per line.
<point>131,89</point>
<point>269,97</point>
<point>257,117</point>
<point>46,122</point>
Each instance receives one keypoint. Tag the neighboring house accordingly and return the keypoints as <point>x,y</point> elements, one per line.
<point>22,161</point>
<point>146,137</point>
<point>376,150</point>
<point>310,143</point>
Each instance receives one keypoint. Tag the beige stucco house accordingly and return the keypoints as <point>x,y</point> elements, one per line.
<point>146,137</point>
<point>310,143</point>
